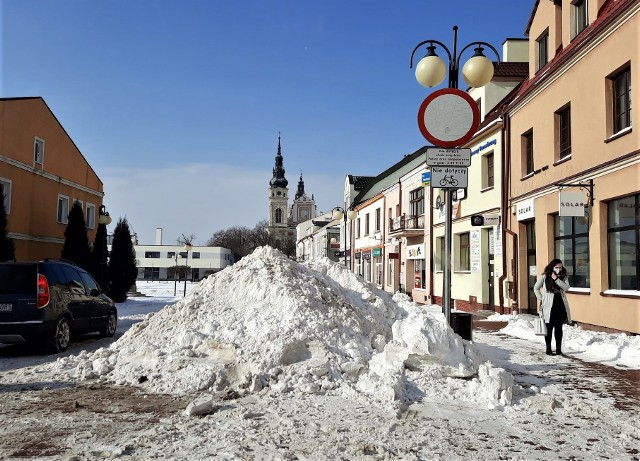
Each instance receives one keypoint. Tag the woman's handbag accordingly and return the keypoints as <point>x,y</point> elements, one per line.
<point>539,327</point>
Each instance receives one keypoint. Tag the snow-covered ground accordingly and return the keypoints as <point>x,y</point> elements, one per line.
<point>272,359</point>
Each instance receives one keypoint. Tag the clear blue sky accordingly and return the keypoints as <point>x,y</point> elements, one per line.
<point>177,104</point>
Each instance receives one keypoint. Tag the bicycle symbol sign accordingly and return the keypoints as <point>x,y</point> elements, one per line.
<point>448,177</point>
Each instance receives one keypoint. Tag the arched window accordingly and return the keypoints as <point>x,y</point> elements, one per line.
<point>278,215</point>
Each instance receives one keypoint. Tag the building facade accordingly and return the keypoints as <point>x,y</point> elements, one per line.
<point>42,173</point>
<point>574,159</point>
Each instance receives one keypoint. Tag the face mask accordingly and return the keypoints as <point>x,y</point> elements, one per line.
<point>556,270</point>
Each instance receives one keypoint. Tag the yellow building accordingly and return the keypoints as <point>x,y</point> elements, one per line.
<point>570,130</point>
<point>42,173</point>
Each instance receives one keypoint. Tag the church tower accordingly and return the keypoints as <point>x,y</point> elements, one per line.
<point>303,208</point>
<point>279,200</point>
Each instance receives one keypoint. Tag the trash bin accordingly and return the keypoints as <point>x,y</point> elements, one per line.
<point>461,324</point>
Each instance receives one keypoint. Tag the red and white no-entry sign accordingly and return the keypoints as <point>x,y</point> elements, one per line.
<point>448,117</point>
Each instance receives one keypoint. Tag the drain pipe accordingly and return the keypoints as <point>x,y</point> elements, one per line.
<point>506,164</point>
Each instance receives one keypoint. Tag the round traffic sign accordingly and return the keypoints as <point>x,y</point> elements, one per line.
<point>448,117</point>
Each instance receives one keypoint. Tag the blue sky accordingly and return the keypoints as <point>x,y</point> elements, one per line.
<point>177,104</point>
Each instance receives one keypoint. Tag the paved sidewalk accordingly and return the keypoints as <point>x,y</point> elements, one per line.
<point>622,386</point>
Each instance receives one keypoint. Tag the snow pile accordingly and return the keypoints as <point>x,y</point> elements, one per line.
<point>615,349</point>
<point>269,322</point>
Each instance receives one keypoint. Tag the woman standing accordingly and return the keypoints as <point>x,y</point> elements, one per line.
<point>554,305</point>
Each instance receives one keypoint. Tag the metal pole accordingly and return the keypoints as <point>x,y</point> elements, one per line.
<point>345,239</point>
<point>186,272</point>
<point>446,288</point>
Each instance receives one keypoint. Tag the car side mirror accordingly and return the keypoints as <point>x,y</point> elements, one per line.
<point>94,292</point>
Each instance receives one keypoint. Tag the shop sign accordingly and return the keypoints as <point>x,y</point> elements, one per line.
<point>525,210</point>
<point>366,255</point>
<point>377,252</point>
<point>415,251</point>
<point>571,204</point>
<point>358,255</point>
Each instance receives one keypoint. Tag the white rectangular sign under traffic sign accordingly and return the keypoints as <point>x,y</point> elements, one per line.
<point>448,157</point>
<point>449,177</point>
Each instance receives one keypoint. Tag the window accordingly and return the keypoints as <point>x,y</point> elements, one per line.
<point>417,202</point>
<point>563,132</point>
<point>63,209</point>
<point>527,150</point>
<point>487,170</point>
<point>278,215</point>
<point>358,228</point>
<point>571,244</point>
<point>440,254</point>
<point>623,229</point>
<point>621,96</point>
<point>152,254</point>
<point>38,151</point>
<point>172,254</point>
<point>419,274</point>
<point>464,255</point>
<point>542,45</point>
<point>390,272</point>
<point>5,193</point>
<point>195,255</point>
<point>366,224</point>
<point>579,10</point>
<point>378,213</point>
<point>91,216</point>
<point>378,262</point>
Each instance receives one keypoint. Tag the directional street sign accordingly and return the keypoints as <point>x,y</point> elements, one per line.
<point>437,156</point>
<point>449,177</point>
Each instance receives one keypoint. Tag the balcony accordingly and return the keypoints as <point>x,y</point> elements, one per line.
<point>406,225</point>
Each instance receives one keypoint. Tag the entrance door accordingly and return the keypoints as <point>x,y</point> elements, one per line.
<point>490,272</point>
<point>530,231</point>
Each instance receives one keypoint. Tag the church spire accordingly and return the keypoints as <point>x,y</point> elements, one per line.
<point>278,179</point>
<point>300,191</point>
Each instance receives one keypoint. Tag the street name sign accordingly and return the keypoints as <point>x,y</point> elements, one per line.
<point>449,177</point>
<point>437,156</point>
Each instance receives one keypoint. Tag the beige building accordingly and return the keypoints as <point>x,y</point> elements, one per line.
<point>570,130</point>
<point>43,173</point>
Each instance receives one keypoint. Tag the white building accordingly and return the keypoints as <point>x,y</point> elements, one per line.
<point>167,262</point>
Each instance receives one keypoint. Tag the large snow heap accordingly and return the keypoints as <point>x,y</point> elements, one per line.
<point>315,327</point>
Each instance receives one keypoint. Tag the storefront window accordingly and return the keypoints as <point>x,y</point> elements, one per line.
<point>378,263</point>
<point>419,273</point>
<point>571,238</point>
<point>623,226</point>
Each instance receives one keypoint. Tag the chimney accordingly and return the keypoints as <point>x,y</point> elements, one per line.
<point>158,235</point>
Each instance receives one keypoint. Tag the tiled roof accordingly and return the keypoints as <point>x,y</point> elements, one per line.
<point>360,182</point>
<point>510,70</point>
<point>608,12</point>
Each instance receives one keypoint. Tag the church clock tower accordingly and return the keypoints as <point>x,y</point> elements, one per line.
<point>279,200</point>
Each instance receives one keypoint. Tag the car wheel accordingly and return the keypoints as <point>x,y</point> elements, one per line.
<point>110,327</point>
<point>61,335</point>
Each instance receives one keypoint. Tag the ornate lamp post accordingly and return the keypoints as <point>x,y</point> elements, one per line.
<point>103,221</point>
<point>431,71</point>
<point>338,213</point>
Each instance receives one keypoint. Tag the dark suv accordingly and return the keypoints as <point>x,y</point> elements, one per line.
<point>48,301</point>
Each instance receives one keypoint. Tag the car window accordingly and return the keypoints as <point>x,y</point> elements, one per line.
<point>17,278</point>
<point>73,280</point>
<point>88,281</point>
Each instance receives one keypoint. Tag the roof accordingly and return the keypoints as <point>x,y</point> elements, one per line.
<point>608,13</point>
<point>390,175</point>
<point>360,182</point>
<point>510,70</point>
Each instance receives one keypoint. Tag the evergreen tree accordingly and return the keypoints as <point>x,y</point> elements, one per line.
<point>99,257</point>
<point>122,269</point>
<point>7,247</point>
<point>76,242</point>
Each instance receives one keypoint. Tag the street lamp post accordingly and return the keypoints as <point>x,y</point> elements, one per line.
<point>338,213</point>
<point>187,249</point>
<point>430,71</point>
<point>103,221</point>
